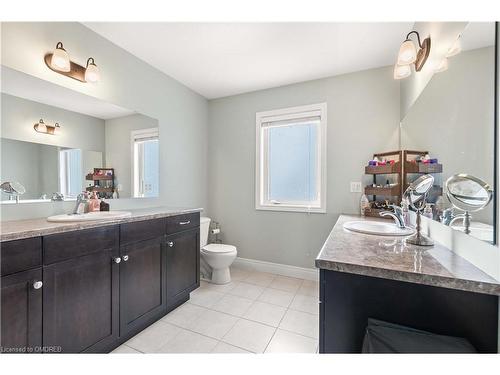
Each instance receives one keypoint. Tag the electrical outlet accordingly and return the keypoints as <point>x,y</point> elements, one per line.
<point>355,187</point>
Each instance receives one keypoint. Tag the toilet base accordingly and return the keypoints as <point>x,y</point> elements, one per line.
<point>221,276</point>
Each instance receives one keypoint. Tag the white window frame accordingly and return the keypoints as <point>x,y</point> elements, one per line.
<point>135,135</point>
<point>261,167</point>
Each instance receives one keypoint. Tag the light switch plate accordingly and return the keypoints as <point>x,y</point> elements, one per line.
<point>355,187</point>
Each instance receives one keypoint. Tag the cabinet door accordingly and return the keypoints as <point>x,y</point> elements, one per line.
<point>142,284</point>
<point>183,264</point>
<point>80,303</point>
<point>21,312</point>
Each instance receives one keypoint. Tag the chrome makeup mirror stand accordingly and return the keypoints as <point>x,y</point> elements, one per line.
<point>416,196</point>
<point>458,191</point>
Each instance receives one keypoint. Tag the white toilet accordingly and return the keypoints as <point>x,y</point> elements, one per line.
<point>218,256</point>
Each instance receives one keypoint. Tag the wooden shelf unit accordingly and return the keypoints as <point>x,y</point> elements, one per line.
<point>393,192</point>
<point>105,191</point>
<point>402,167</point>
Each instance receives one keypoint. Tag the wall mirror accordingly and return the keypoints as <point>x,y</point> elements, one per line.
<point>97,146</point>
<point>453,121</point>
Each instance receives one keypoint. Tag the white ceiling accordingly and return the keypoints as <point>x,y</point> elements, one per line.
<point>222,59</point>
<point>38,90</point>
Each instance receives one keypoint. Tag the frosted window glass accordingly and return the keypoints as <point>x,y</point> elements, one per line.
<point>292,156</point>
<point>151,168</point>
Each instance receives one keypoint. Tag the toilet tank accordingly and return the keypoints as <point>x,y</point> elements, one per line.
<point>204,226</point>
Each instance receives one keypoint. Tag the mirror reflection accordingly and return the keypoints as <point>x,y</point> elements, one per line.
<point>452,122</point>
<point>95,146</point>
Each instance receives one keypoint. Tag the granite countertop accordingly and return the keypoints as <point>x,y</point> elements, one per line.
<point>389,257</point>
<point>19,229</point>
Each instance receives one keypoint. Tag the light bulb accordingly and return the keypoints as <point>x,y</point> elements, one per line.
<point>41,128</point>
<point>407,53</point>
<point>92,71</point>
<point>441,66</point>
<point>402,71</point>
<point>455,49</point>
<point>60,59</point>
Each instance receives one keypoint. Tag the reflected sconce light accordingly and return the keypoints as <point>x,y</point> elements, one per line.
<point>42,127</point>
<point>455,49</point>
<point>59,62</point>
<point>408,55</point>
<point>441,66</point>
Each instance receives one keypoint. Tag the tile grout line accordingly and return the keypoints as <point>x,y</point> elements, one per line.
<point>239,318</point>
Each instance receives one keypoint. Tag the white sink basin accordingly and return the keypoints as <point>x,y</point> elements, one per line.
<point>378,228</point>
<point>90,216</point>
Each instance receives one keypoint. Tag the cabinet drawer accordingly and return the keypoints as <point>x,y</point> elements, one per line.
<point>141,230</point>
<point>20,255</point>
<point>182,222</point>
<point>58,247</point>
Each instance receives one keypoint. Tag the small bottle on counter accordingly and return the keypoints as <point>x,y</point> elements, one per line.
<point>94,204</point>
<point>364,204</point>
<point>406,212</point>
<point>103,206</point>
<point>428,211</point>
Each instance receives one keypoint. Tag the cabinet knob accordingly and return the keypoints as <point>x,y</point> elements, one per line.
<point>125,258</point>
<point>117,260</point>
<point>37,284</point>
<point>170,244</point>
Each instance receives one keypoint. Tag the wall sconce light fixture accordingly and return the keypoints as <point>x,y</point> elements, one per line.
<point>59,62</point>
<point>408,55</point>
<point>41,127</point>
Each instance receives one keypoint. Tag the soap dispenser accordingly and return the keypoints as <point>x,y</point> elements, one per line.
<point>364,204</point>
<point>428,211</point>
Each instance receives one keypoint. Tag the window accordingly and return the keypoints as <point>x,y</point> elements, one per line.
<point>291,159</point>
<point>70,172</point>
<point>145,163</point>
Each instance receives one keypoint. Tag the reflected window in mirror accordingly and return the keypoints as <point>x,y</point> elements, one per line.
<point>70,172</point>
<point>145,146</point>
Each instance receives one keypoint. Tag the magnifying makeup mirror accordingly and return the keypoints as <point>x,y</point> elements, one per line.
<point>468,194</point>
<point>14,189</point>
<point>416,196</point>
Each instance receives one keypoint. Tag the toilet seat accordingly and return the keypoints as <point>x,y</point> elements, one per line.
<point>219,248</point>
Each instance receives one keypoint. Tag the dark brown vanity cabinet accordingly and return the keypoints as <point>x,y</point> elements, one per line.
<point>183,264</point>
<point>21,329</point>
<point>21,296</point>
<point>80,294</point>
<point>91,290</point>
<point>142,284</point>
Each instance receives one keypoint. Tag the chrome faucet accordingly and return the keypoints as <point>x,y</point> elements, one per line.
<point>80,199</point>
<point>57,197</point>
<point>397,215</point>
<point>449,217</point>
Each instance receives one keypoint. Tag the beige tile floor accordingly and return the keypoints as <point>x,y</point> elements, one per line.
<point>256,313</point>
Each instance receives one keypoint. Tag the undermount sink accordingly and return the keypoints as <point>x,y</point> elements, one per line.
<point>378,228</point>
<point>90,216</point>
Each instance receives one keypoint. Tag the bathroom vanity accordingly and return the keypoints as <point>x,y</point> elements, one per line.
<point>432,288</point>
<point>90,286</point>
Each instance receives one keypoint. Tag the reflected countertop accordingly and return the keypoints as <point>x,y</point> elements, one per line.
<point>19,229</point>
<point>390,258</point>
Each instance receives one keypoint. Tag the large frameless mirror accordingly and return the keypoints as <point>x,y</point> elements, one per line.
<point>56,143</point>
<point>452,125</point>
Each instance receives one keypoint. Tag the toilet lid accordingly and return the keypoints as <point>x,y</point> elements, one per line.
<point>219,248</point>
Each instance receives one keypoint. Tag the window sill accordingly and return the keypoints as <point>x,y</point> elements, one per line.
<point>284,208</point>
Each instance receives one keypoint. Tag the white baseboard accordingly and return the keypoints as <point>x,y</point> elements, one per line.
<point>276,268</point>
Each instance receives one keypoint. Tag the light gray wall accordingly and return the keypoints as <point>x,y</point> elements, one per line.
<point>118,147</point>
<point>453,118</point>
<point>130,83</point>
<point>363,118</point>
<point>19,163</point>
<point>77,130</point>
